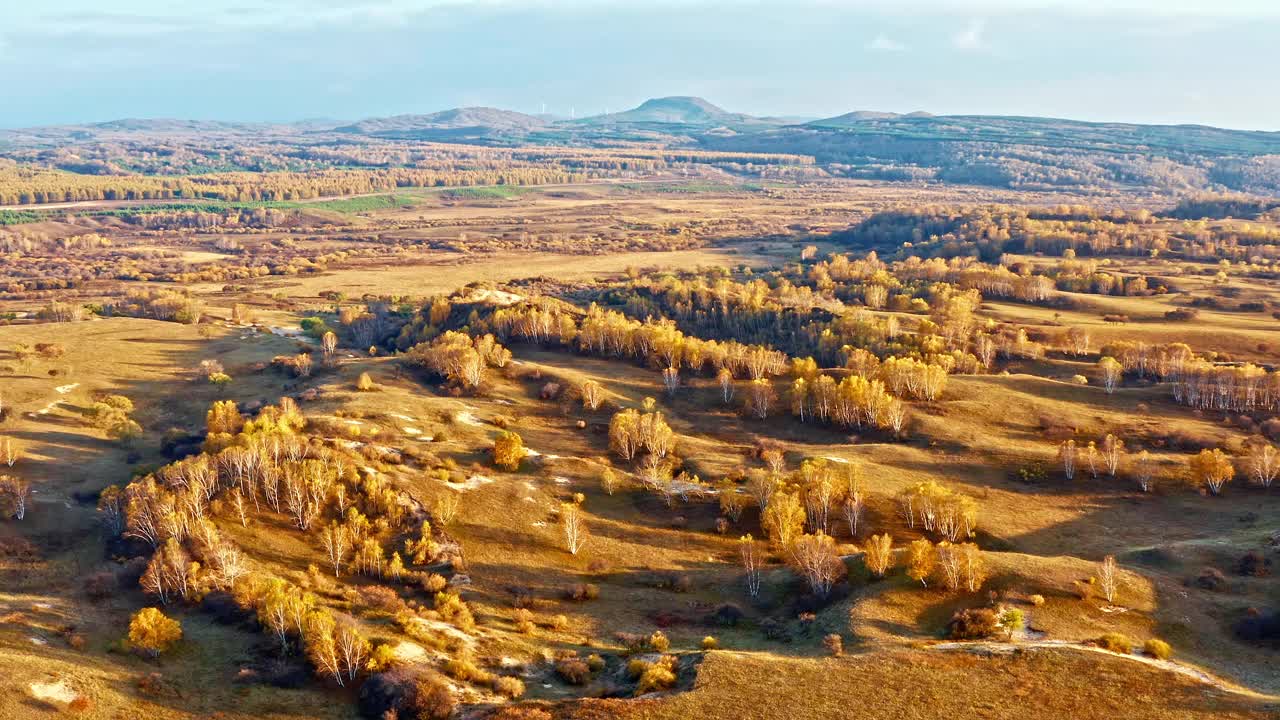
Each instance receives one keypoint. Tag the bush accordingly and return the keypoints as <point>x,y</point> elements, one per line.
<point>1037,600</point>
<point>465,670</point>
<point>1212,579</point>
<point>508,451</point>
<point>727,615</point>
<point>573,671</point>
<point>973,624</point>
<point>710,643</point>
<point>1157,649</point>
<point>1116,643</point>
<point>834,644</point>
<point>405,694</point>
<point>660,676</point>
<point>582,592</point>
<point>100,586</point>
<point>637,667</point>
<point>1260,627</point>
<point>595,662</point>
<point>658,642</point>
<point>1255,564</point>
<point>152,633</point>
<point>509,687</point>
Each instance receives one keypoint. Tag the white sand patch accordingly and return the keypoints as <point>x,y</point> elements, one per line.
<point>402,416</point>
<point>292,332</point>
<point>493,297</point>
<point>530,452</point>
<point>369,471</point>
<point>467,418</point>
<point>56,692</point>
<point>561,480</point>
<point>353,421</point>
<point>530,485</point>
<point>529,499</point>
<point>540,523</point>
<point>409,652</point>
<point>833,458</point>
<point>411,431</point>
<point>64,389</point>
<point>38,641</point>
<point>473,482</point>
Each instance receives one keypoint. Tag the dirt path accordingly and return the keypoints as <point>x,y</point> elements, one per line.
<point>1189,671</point>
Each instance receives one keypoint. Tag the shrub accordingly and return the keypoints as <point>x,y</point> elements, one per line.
<point>710,643</point>
<point>100,586</point>
<point>637,667</point>
<point>1116,643</point>
<point>658,642</point>
<point>1255,564</point>
<point>365,383</point>
<point>560,623</point>
<point>582,592</point>
<point>660,676</point>
<point>508,451</point>
<point>1157,649</point>
<point>632,643</point>
<point>152,633</point>
<point>834,644</point>
<point>430,700</point>
<point>1212,579</point>
<point>1260,627</point>
<point>465,670</point>
<point>573,671</point>
<point>1036,600</point>
<point>524,621</point>
<point>434,583</point>
<point>595,662</point>
<point>973,624</point>
<point>509,687</point>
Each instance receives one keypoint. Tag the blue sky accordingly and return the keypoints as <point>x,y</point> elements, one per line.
<point>1162,61</point>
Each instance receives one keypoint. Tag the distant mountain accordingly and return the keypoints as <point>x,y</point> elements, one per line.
<point>999,151</point>
<point>863,116</point>
<point>476,120</point>
<point>680,110</point>
<point>172,125</point>
<point>1054,132</point>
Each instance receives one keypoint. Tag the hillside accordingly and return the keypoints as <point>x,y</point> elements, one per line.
<point>471,119</point>
<point>1028,153</point>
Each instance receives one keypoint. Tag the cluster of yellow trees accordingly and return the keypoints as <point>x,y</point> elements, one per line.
<point>458,358</point>
<point>939,510</point>
<point>265,465</point>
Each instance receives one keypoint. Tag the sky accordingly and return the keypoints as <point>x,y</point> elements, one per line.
<point>1148,61</point>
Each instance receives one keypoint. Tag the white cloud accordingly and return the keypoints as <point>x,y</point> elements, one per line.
<point>884,43</point>
<point>971,37</point>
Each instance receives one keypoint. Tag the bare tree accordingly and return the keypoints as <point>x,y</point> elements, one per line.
<point>854,507</point>
<point>10,452</point>
<point>725,378</point>
<point>574,525</point>
<point>1144,471</point>
<point>814,557</point>
<point>1112,451</point>
<point>1067,454</point>
<point>751,562</point>
<point>1263,464</point>
<point>1109,577</point>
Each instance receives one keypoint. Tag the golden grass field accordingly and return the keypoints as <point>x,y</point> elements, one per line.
<point>1039,538</point>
